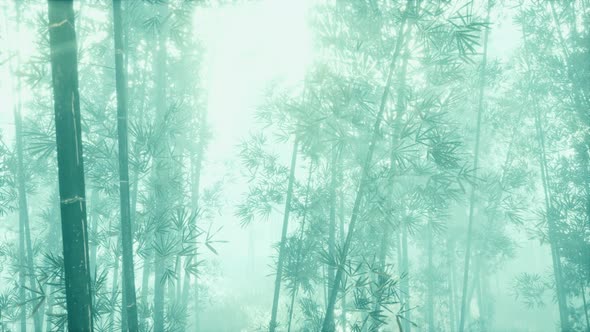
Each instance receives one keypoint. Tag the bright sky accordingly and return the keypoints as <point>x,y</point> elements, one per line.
<point>249,46</point>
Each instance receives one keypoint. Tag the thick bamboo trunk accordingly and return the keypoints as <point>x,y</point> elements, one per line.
<point>64,69</point>
<point>279,275</point>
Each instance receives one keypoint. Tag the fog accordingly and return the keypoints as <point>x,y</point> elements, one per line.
<point>313,165</point>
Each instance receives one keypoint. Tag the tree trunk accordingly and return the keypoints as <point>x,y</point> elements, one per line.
<point>25,243</point>
<point>115,287</point>
<point>332,222</point>
<point>64,70</point>
<point>482,85</point>
<point>300,246</point>
<point>585,307</point>
<point>279,275</point>
<point>556,260</point>
<point>129,303</point>
<point>48,327</point>
<point>343,322</point>
<point>387,229</point>
<point>162,173</point>
<point>93,224</point>
<point>22,298</point>
<point>405,282</point>
<point>430,283</point>
<point>196,166</point>
<point>328,322</point>
<point>480,300</point>
<point>451,282</point>
<point>147,263</point>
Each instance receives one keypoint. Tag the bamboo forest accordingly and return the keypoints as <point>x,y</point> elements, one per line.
<point>295,165</point>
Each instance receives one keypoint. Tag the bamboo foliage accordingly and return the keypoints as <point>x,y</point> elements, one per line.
<point>419,165</point>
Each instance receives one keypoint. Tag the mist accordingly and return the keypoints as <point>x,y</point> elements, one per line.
<point>312,165</point>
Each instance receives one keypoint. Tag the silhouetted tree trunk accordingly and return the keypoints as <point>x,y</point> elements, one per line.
<point>332,222</point>
<point>93,222</point>
<point>451,283</point>
<point>395,137</point>
<point>196,165</point>
<point>25,252</point>
<point>328,322</point>
<point>52,235</point>
<point>147,263</point>
<point>405,281</point>
<point>480,106</point>
<point>585,307</point>
<point>64,70</point>
<point>24,217</point>
<point>279,275</point>
<point>115,283</point>
<point>429,283</point>
<point>49,311</point>
<point>343,322</point>
<point>22,298</point>
<point>129,303</point>
<point>161,167</point>
<point>549,211</point>
<point>300,247</point>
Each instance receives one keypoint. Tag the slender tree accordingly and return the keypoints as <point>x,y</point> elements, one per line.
<point>332,223</point>
<point>549,209</point>
<point>196,168</point>
<point>480,106</point>
<point>285,228</point>
<point>328,321</point>
<point>299,253</point>
<point>23,214</point>
<point>25,246</point>
<point>64,70</point>
<point>162,164</point>
<point>130,304</point>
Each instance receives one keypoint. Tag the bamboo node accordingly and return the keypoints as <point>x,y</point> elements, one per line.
<point>58,24</point>
<point>75,199</point>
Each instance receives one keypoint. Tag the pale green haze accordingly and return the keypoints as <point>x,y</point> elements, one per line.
<point>295,165</point>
